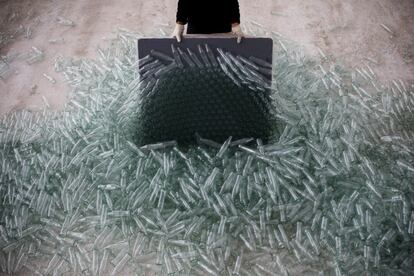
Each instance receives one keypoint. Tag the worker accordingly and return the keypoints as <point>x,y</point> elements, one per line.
<point>208,17</point>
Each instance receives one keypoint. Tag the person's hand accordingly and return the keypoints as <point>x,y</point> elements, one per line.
<point>237,31</point>
<point>178,32</point>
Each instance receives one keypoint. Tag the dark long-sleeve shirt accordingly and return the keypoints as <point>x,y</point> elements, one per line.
<point>208,16</point>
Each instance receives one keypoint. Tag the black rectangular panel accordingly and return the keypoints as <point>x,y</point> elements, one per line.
<point>261,48</point>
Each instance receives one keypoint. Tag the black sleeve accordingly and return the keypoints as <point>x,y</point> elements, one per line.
<point>234,11</point>
<point>182,11</point>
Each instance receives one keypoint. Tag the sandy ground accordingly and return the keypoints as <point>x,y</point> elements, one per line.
<point>347,31</point>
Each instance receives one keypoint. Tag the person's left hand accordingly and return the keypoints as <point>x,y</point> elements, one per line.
<point>178,32</point>
<point>236,30</point>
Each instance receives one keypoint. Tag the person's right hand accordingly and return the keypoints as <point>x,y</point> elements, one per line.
<point>178,32</point>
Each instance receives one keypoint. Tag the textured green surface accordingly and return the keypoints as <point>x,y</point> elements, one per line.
<point>331,195</point>
<point>203,101</point>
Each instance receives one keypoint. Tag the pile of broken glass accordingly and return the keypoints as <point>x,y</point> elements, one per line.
<point>330,194</point>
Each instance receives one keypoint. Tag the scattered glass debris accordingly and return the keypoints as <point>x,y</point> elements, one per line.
<point>49,78</point>
<point>333,191</point>
<point>34,55</point>
<point>65,22</point>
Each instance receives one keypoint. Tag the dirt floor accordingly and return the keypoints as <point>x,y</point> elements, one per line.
<point>379,32</point>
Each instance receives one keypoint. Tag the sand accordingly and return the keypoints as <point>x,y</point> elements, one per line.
<point>348,32</point>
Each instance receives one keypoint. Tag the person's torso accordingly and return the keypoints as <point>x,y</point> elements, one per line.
<point>210,16</point>
<point>211,10</point>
